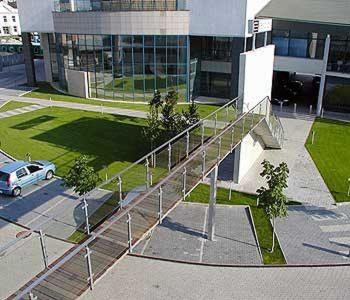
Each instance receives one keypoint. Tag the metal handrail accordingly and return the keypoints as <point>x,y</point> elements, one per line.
<point>125,211</point>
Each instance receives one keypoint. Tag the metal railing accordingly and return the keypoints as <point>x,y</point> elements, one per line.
<point>276,128</point>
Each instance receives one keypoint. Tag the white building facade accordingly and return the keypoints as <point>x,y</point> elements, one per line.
<point>9,20</point>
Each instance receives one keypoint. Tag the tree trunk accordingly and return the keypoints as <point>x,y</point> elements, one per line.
<point>273,235</point>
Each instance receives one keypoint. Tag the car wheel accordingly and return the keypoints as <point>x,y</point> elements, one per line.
<point>16,192</point>
<point>49,175</point>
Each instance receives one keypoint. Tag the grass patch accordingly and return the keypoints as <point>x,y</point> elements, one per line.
<point>263,226</point>
<point>13,105</point>
<point>331,155</point>
<point>45,91</point>
<point>61,135</point>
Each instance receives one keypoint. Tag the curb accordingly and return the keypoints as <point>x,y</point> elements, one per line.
<point>2,105</point>
<point>255,234</point>
<point>7,155</point>
<point>284,255</point>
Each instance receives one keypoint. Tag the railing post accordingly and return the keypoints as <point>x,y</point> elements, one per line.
<point>184,177</point>
<point>148,175</point>
<point>169,157</point>
<point>120,192</point>
<point>215,123</point>
<point>232,138</point>
<point>160,199</point>
<point>203,164</point>
<point>128,221</point>
<point>203,129</point>
<point>187,143</point>
<point>32,297</point>
<point>86,212</point>
<point>227,113</point>
<point>252,118</point>
<point>43,248</point>
<point>219,148</point>
<point>243,123</point>
<point>89,267</point>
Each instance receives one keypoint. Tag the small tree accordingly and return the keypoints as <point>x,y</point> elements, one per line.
<point>81,177</point>
<point>272,198</point>
<point>170,119</point>
<point>191,115</point>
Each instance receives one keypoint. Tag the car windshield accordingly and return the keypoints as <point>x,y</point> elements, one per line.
<point>37,163</point>
<point>3,176</point>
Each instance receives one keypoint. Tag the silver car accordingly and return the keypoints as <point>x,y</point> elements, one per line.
<point>16,175</point>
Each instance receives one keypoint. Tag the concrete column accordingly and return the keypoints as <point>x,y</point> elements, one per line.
<point>212,203</point>
<point>323,76</point>
<point>44,41</point>
<point>236,165</point>
<point>238,46</point>
<point>28,58</point>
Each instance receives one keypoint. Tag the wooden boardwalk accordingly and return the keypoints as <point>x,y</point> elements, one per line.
<point>70,280</point>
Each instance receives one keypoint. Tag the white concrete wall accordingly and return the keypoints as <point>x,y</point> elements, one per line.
<point>255,76</point>
<point>255,83</point>
<point>36,15</point>
<point>222,17</point>
<point>125,22</point>
<point>77,83</point>
<point>298,65</point>
<point>251,148</point>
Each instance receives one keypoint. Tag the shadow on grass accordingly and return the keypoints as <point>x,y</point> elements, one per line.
<point>104,141</point>
<point>33,122</point>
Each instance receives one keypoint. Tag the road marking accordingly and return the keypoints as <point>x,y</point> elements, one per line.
<point>335,228</point>
<point>329,216</point>
<point>202,239</point>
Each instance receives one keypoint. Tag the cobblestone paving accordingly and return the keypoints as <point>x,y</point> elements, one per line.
<point>150,279</point>
<point>315,236</point>
<point>182,236</point>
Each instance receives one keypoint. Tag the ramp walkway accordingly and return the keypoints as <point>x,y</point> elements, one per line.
<point>145,193</point>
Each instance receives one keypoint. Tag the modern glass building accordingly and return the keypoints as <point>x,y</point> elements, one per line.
<point>124,67</point>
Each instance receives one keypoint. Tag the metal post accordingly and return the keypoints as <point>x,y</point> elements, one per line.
<point>43,248</point>
<point>169,157</point>
<point>184,177</point>
<point>219,148</point>
<point>322,112</point>
<point>88,262</point>
<point>243,127</point>
<point>313,137</point>
<point>212,203</point>
<point>265,39</point>
<point>187,143</point>
<point>129,232</point>
<point>254,41</point>
<point>232,138</point>
<point>148,177</point>
<point>203,129</point>
<point>295,108</point>
<point>349,187</point>
<point>252,119</point>
<point>160,198</point>
<point>120,192</point>
<point>215,123</point>
<point>227,113</point>
<point>32,297</point>
<point>203,164</point>
<point>281,106</point>
<point>310,111</point>
<point>86,211</point>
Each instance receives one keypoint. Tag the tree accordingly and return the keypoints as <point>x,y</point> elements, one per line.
<point>81,177</point>
<point>153,130</point>
<point>191,115</point>
<point>272,199</point>
<point>171,121</point>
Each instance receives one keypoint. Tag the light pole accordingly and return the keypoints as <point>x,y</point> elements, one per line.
<point>349,187</point>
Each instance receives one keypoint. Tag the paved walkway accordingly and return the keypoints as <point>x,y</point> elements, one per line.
<point>183,236</point>
<point>150,279</point>
<point>86,107</point>
<point>316,236</point>
<point>305,183</point>
<point>20,111</point>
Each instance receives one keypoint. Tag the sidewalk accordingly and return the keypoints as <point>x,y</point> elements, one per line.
<point>86,107</point>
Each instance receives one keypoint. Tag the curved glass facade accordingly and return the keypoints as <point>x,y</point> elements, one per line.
<point>125,67</point>
<point>118,5</point>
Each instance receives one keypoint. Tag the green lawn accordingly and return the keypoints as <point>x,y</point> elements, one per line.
<point>45,91</point>
<point>331,154</point>
<point>61,135</point>
<point>263,226</point>
<point>13,105</point>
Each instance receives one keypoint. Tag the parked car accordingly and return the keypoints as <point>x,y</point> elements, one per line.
<point>17,175</point>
